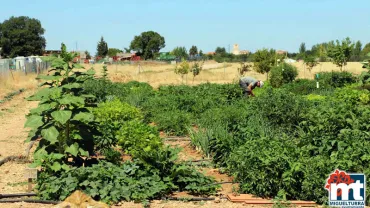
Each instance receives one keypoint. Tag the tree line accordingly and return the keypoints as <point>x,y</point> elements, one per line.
<point>23,36</point>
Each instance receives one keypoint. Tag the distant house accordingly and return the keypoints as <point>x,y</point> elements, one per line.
<point>51,52</point>
<point>281,52</point>
<point>244,52</point>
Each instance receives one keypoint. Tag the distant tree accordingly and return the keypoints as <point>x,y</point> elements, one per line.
<point>183,69</point>
<point>193,51</point>
<point>127,50</point>
<point>21,36</point>
<point>264,60</point>
<point>196,68</point>
<point>310,62</point>
<point>302,51</point>
<point>341,52</point>
<point>113,52</point>
<point>102,48</point>
<point>356,54</point>
<point>201,53</point>
<point>365,51</point>
<point>180,52</point>
<point>148,44</point>
<point>220,50</point>
<point>88,56</point>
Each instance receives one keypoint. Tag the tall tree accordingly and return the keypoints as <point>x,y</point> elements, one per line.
<point>21,36</point>
<point>193,51</point>
<point>263,61</point>
<point>365,53</point>
<point>88,56</point>
<point>356,54</point>
<point>148,44</point>
<point>113,52</point>
<point>340,52</point>
<point>102,48</point>
<point>302,51</point>
<point>201,53</point>
<point>220,50</point>
<point>180,52</point>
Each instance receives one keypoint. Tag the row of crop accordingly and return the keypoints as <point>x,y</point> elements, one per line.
<point>284,142</point>
<point>72,128</point>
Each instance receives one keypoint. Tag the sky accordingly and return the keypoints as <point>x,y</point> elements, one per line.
<point>279,24</point>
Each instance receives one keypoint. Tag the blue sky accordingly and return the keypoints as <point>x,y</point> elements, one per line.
<point>281,24</point>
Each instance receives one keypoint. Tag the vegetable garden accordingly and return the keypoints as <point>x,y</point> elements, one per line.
<point>282,143</point>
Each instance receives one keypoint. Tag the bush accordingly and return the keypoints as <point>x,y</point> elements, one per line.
<point>135,137</point>
<point>336,79</point>
<point>283,74</point>
<point>110,116</point>
<point>173,122</point>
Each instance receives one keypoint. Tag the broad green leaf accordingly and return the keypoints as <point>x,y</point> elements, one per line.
<point>73,149</point>
<point>56,156</point>
<point>62,116</point>
<point>34,122</point>
<point>84,153</point>
<point>90,72</point>
<point>56,166</point>
<point>43,107</point>
<point>77,136</point>
<point>72,100</point>
<point>51,134</point>
<point>65,167</point>
<point>44,92</point>
<point>84,117</point>
<point>88,96</point>
<point>70,86</point>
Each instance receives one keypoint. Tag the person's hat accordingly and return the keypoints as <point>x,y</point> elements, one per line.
<point>261,84</point>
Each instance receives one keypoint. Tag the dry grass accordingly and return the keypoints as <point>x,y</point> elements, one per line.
<point>15,81</point>
<point>157,74</point>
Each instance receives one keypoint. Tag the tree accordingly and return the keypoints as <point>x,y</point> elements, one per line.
<point>201,53</point>
<point>341,52</point>
<point>102,48</point>
<point>180,52</point>
<point>310,62</point>
<point>113,52</point>
<point>193,51</point>
<point>148,44</point>
<point>302,51</point>
<point>196,69</point>
<point>21,36</point>
<point>183,69</point>
<point>88,56</point>
<point>365,51</point>
<point>264,60</point>
<point>220,50</point>
<point>356,55</point>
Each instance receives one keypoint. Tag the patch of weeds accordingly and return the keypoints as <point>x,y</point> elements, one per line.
<point>17,184</point>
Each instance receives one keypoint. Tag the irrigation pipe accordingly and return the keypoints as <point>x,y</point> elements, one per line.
<point>16,195</point>
<point>29,201</point>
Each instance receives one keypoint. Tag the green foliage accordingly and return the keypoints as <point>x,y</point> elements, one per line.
<point>105,72</point>
<point>113,52</point>
<point>62,117</point>
<point>310,62</point>
<point>88,56</point>
<point>364,77</point>
<point>196,69</point>
<point>173,122</point>
<point>135,137</point>
<point>183,69</point>
<point>264,60</point>
<point>336,79</point>
<point>341,52</point>
<point>111,116</point>
<point>148,44</point>
<point>193,51</point>
<point>112,155</point>
<point>21,36</point>
<point>102,48</point>
<point>180,52</point>
<point>220,50</point>
<point>283,74</point>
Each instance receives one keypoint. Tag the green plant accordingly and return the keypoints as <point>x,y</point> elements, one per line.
<point>310,62</point>
<point>244,68</point>
<point>174,122</point>
<point>183,69</point>
<point>336,79</point>
<point>135,137</point>
<point>105,72</point>
<point>110,117</point>
<point>62,117</point>
<point>341,52</point>
<point>283,74</point>
<point>112,155</point>
<point>263,61</point>
<point>196,69</point>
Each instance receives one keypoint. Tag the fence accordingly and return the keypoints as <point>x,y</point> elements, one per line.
<point>8,65</point>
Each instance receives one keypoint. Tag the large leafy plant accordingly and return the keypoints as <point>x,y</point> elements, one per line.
<point>62,119</point>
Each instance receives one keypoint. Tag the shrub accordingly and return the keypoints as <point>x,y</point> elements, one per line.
<point>336,79</point>
<point>135,137</point>
<point>283,74</point>
<point>110,116</point>
<point>173,122</point>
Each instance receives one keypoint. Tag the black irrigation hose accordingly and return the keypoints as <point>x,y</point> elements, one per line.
<point>29,201</point>
<point>16,195</point>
